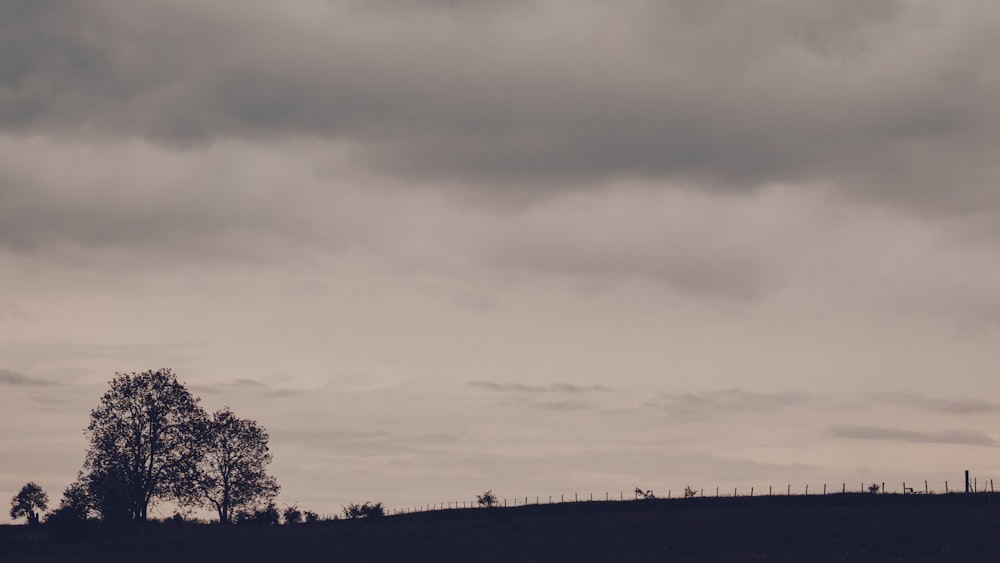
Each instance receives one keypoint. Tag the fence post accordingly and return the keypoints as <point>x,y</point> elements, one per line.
<point>926,491</point>
<point>576,497</point>
<point>824,489</point>
<point>807,489</point>
<point>751,491</point>
<point>717,492</point>
<point>769,490</point>
<point>946,487</point>
<point>844,488</point>
<point>734,492</point>
<point>789,491</point>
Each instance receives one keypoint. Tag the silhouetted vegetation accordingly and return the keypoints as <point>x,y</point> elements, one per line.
<point>266,516</point>
<point>689,492</point>
<point>147,437</point>
<point>487,499</point>
<point>840,527</point>
<point>367,510</point>
<point>292,515</point>
<point>874,489</point>
<point>149,440</point>
<point>232,474</point>
<point>645,495</point>
<point>29,503</point>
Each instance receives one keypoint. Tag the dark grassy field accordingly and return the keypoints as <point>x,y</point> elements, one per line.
<point>832,528</point>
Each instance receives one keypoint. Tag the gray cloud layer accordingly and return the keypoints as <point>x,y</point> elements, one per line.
<point>525,388</point>
<point>959,436</point>
<point>942,405</point>
<point>726,401</point>
<point>8,377</point>
<point>892,99</point>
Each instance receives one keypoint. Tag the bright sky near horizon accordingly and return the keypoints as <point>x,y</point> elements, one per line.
<point>541,247</point>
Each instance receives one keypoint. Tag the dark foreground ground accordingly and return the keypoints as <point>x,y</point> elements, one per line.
<point>833,528</point>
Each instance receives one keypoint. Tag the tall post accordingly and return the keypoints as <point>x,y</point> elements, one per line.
<point>966,480</point>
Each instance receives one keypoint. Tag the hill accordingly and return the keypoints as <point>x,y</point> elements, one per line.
<point>851,527</point>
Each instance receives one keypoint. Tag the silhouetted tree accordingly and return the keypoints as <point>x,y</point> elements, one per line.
<point>146,439</point>
<point>874,489</point>
<point>29,503</point>
<point>310,516</point>
<point>233,475</point>
<point>487,499</point>
<point>76,504</point>
<point>689,492</point>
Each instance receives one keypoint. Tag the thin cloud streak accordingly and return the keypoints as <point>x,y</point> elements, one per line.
<point>525,388</point>
<point>726,401</point>
<point>957,436</point>
<point>8,377</point>
<point>935,404</point>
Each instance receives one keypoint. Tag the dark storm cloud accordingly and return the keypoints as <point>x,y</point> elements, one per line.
<point>525,388</point>
<point>936,404</point>
<point>8,377</point>
<point>959,436</point>
<point>725,401</point>
<point>894,99</point>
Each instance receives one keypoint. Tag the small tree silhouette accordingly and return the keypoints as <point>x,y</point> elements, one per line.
<point>487,499</point>
<point>874,489</point>
<point>29,503</point>
<point>689,492</point>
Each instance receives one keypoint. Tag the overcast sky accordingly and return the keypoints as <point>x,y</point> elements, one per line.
<point>540,247</point>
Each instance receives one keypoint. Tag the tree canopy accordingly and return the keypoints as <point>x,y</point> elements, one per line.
<point>232,475</point>
<point>147,439</point>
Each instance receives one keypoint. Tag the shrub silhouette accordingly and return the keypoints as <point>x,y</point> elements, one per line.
<point>874,489</point>
<point>487,499</point>
<point>689,492</point>
<point>266,516</point>
<point>645,495</point>
<point>367,510</point>
<point>292,515</point>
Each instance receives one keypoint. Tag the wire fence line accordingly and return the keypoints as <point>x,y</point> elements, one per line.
<point>883,487</point>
